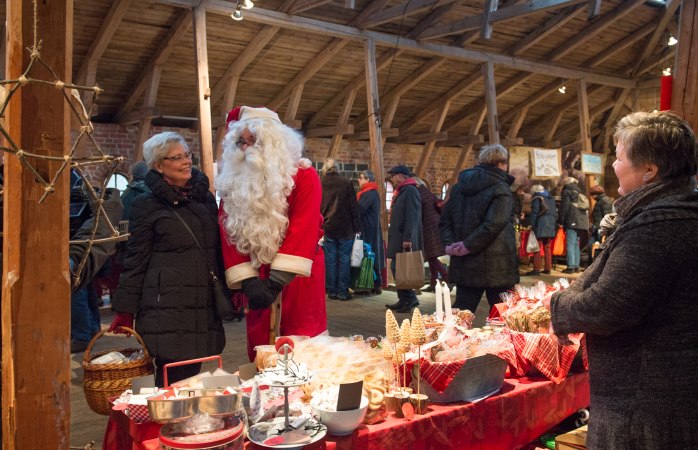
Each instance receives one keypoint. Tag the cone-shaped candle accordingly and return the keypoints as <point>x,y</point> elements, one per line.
<point>418,333</point>
<point>392,329</point>
<point>447,302</point>
<point>439,303</point>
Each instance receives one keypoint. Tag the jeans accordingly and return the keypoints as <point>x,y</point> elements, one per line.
<point>338,266</point>
<point>573,250</point>
<point>469,297</point>
<point>407,296</point>
<point>84,314</point>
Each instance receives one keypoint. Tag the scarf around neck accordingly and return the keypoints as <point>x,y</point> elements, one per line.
<point>369,186</point>
<point>630,202</point>
<point>396,192</point>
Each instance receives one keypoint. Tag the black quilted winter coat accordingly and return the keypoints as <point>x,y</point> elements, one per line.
<point>165,282</point>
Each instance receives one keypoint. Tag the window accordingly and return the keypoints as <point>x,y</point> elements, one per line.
<point>444,190</point>
<point>118,181</point>
<point>388,195</point>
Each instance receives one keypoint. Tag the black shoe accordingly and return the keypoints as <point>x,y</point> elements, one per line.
<point>547,272</point>
<point>78,346</point>
<point>568,270</point>
<point>407,307</point>
<point>532,273</point>
<point>376,291</point>
<point>344,299</point>
<point>577,269</point>
<point>332,297</point>
<point>393,306</point>
<point>429,289</point>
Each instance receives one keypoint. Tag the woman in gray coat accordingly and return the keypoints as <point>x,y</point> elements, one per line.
<point>638,301</point>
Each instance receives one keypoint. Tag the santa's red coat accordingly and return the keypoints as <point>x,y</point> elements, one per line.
<point>303,310</point>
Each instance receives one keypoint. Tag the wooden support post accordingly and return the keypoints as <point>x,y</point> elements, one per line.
<point>553,126</point>
<point>36,276</point>
<point>584,122</point>
<point>684,96</point>
<point>374,130</point>
<point>204,93</point>
<point>474,129</point>
<point>431,143</point>
<point>293,103</point>
<point>491,100</point>
<point>343,119</point>
<point>151,93</point>
<point>517,122</point>
<point>226,106</point>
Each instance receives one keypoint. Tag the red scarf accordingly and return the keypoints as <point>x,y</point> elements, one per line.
<point>369,186</point>
<point>396,192</point>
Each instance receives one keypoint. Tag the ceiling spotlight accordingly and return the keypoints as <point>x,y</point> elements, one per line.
<point>672,41</point>
<point>247,4</point>
<point>667,71</point>
<point>237,14</point>
<point>562,89</point>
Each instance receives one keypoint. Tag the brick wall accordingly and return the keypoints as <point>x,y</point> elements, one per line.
<point>352,156</point>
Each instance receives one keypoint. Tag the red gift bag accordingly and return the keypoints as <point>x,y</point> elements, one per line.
<point>559,244</point>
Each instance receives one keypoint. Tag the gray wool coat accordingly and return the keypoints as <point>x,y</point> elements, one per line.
<point>638,305</point>
<point>405,221</point>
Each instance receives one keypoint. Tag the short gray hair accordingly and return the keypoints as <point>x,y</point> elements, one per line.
<point>329,166</point>
<point>368,175</point>
<point>155,149</point>
<point>493,154</point>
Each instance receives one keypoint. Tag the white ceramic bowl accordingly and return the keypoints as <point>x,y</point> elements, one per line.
<point>340,423</point>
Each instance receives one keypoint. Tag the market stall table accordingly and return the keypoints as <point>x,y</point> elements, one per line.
<point>524,409</point>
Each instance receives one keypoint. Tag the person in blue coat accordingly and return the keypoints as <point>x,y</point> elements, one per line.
<point>371,232</point>
<point>543,219</point>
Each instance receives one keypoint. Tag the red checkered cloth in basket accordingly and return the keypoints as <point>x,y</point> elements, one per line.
<point>543,352</point>
<point>138,413</point>
<point>440,374</point>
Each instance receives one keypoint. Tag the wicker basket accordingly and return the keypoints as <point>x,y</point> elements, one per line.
<point>102,381</point>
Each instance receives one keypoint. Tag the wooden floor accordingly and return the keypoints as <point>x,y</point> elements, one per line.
<point>363,315</point>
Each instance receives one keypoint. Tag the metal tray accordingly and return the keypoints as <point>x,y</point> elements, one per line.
<point>180,409</point>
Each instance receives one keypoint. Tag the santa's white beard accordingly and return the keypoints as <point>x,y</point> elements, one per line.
<point>254,192</point>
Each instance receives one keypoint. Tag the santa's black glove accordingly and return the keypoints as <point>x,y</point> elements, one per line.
<point>258,294</point>
<point>274,287</point>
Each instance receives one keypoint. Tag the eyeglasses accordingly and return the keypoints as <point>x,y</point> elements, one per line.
<point>241,142</point>
<point>176,158</point>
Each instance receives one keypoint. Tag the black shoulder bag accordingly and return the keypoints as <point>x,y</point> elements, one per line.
<point>222,299</point>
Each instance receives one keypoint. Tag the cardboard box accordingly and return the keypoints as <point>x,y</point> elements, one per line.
<point>574,440</point>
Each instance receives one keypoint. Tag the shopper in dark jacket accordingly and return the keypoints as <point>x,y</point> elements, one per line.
<point>433,247</point>
<point>405,230</point>
<point>603,206</point>
<point>135,188</point>
<point>371,232</point>
<point>638,301</point>
<point>166,281</point>
<point>575,219</point>
<point>478,231</point>
<point>342,223</point>
<point>543,220</point>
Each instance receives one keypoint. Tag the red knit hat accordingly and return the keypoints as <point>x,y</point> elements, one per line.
<point>233,115</point>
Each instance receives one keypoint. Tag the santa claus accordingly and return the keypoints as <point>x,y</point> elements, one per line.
<point>270,225</point>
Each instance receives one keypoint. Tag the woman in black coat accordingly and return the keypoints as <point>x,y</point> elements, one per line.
<point>478,230</point>
<point>165,284</point>
<point>370,209</point>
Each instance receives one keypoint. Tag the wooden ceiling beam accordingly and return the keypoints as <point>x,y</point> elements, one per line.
<point>316,63</point>
<point>341,121</point>
<point>304,5</point>
<point>256,45</point>
<point>430,144</point>
<point>372,8</point>
<point>553,24</point>
<point>421,138</point>
<point>358,82</point>
<point>532,99</point>
<point>455,141</point>
<point>548,118</point>
<point>385,133</point>
<point>148,112</point>
<point>666,17</point>
<point>593,113</point>
<point>619,46</point>
<point>393,41</point>
<point>512,12</point>
<point>400,11</point>
<point>589,32</point>
<point>176,33</point>
<point>432,18</point>
<point>329,131</point>
<point>88,69</point>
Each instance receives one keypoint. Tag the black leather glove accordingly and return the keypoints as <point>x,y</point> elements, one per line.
<point>258,294</point>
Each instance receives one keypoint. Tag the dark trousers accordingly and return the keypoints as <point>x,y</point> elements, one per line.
<point>174,374</point>
<point>437,268</point>
<point>404,295</point>
<point>469,297</point>
<point>545,245</point>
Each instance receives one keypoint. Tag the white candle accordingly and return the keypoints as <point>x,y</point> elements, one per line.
<point>447,301</point>
<point>439,303</point>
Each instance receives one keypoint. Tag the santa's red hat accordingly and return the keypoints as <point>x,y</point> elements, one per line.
<point>248,112</point>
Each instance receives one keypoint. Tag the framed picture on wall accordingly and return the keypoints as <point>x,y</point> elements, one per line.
<point>545,163</point>
<point>592,163</point>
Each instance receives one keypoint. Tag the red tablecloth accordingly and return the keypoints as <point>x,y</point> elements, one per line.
<point>523,410</point>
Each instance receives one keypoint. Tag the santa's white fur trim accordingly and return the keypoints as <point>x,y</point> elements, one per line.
<point>236,274</point>
<point>291,263</point>
<point>247,113</point>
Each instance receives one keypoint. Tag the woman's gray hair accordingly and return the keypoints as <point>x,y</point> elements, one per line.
<point>330,165</point>
<point>493,154</point>
<point>155,149</point>
<point>368,175</point>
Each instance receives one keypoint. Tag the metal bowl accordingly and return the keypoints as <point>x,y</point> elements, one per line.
<point>172,410</point>
<point>220,404</point>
